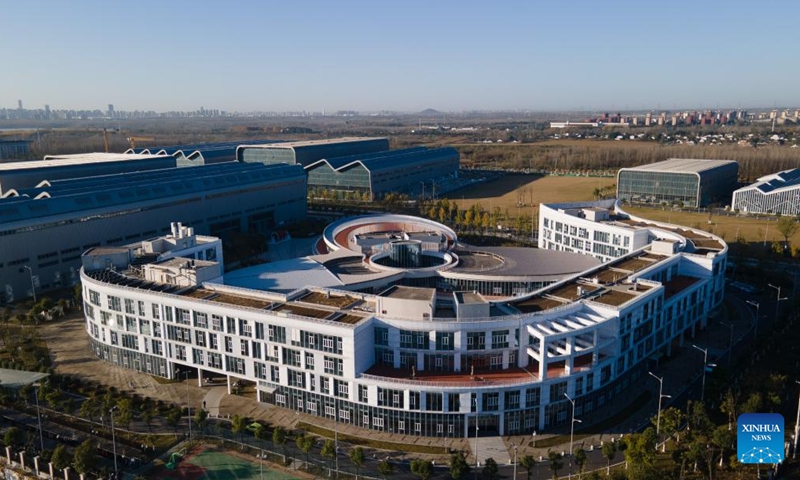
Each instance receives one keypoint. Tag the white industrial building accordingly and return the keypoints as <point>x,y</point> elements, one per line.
<point>406,359</point>
<point>777,194</point>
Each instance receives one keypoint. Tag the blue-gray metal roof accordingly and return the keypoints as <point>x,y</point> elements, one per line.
<point>787,178</point>
<point>388,160</point>
<point>207,152</point>
<point>116,191</point>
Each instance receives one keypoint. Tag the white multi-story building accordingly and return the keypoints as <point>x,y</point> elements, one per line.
<point>590,228</point>
<point>778,193</point>
<point>408,359</point>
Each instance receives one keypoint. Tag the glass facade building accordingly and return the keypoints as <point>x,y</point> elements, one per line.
<point>681,182</point>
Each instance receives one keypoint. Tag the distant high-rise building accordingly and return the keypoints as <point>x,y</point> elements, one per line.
<point>110,109</point>
<point>47,111</point>
<point>19,104</point>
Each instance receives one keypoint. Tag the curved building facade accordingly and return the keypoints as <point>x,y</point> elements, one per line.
<point>416,360</point>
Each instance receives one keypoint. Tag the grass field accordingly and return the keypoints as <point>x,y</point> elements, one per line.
<point>211,463</point>
<point>509,191</point>
<point>750,229</point>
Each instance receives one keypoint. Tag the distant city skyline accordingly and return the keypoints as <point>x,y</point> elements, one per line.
<point>448,56</point>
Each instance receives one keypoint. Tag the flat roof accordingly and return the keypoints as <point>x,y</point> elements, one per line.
<point>469,298</point>
<point>310,143</point>
<point>522,262</point>
<point>409,293</point>
<point>283,276</point>
<point>51,161</point>
<point>682,165</point>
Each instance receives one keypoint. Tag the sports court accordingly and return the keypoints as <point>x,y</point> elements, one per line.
<point>209,462</point>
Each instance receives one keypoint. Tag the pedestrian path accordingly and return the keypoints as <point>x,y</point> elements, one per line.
<point>212,399</point>
<point>490,447</point>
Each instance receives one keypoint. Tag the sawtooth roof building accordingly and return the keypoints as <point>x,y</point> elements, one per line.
<point>383,353</point>
<point>201,153</point>
<point>309,151</point>
<point>27,174</point>
<point>679,181</point>
<point>777,194</point>
<point>45,229</point>
<point>375,174</point>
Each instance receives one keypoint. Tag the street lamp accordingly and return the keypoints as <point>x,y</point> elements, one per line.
<point>571,431</point>
<point>33,285</point>
<point>660,397</point>
<point>38,416</point>
<point>188,406</point>
<point>114,441</point>
<point>758,314</point>
<point>515,462</point>
<point>477,463</point>
<point>796,423</point>
<point>778,299</point>
<point>730,342</point>
<point>705,362</point>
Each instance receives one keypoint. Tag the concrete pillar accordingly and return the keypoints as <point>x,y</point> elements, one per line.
<point>36,464</point>
<point>228,379</point>
<point>66,473</point>
<point>22,460</point>
<point>81,477</point>
<point>52,470</point>
<point>8,455</point>
<point>543,359</point>
<point>199,377</point>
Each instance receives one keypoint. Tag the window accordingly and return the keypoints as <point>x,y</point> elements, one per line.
<point>244,345</point>
<point>114,303</point>
<point>129,306</point>
<point>94,298</point>
<point>200,320</point>
<point>141,308</point>
<point>156,311</point>
<point>216,323</point>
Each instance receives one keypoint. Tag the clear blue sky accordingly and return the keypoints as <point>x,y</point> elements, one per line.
<point>400,55</point>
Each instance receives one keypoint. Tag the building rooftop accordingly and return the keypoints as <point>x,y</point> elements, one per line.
<point>776,181</point>
<point>682,165</point>
<point>311,143</point>
<point>517,261</point>
<point>469,298</point>
<point>409,293</point>
<point>52,161</point>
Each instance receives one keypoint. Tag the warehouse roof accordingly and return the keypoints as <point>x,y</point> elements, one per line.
<point>683,165</point>
<point>388,160</point>
<point>776,181</point>
<point>312,143</point>
<point>55,161</point>
<point>115,190</point>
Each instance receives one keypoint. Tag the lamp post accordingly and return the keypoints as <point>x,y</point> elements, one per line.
<point>114,441</point>
<point>477,463</point>
<point>38,416</point>
<point>660,397</point>
<point>705,362</point>
<point>796,423</point>
<point>571,432</point>
<point>515,462</point>
<point>758,314</point>
<point>778,299</point>
<point>730,341</point>
<point>188,406</point>
<point>33,285</point>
